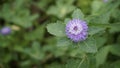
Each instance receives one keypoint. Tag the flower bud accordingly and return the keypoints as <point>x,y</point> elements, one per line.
<point>5,30</point>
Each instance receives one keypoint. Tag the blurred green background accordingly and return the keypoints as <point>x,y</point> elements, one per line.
<point>29,45</point>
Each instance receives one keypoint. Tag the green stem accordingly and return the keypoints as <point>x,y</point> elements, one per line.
<point>80,63</point>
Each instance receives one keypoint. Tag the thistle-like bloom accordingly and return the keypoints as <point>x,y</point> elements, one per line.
<point>76,30</point>
<point>5,30</point>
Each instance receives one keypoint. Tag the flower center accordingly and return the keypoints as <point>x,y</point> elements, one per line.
<point>75,28</point>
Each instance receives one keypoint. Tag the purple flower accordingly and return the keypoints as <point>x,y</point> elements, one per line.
<point>76,30</point>
<point>5,30</point>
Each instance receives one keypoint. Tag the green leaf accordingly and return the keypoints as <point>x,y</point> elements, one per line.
<point>115,49</point>
<point>18,48</point>
<point>25,64</point>
<point>60,9</point>
<point>114,27</point>
<point>24,21</point>
<point>59,51</point>
<point>55,65</point>
<point>116,14</point>
<point>22,18</point>
<point>99,19</point>
<point>101,56</point>
<point>92,61</point>
<point>95,29</point>
<point>4,42</point>
<point>38,33</point>
<point>116,64</point>
<point>57,29</point>
<point>78,63</point>
<point>113,64</point>
<point>7,57</point>
<point>88,46</point>
<point>66,20</point>
<point>78,14</point>
<point>100,41</point>
<point>63,42</point>
<point>96,5</point>
<point>35,51</point>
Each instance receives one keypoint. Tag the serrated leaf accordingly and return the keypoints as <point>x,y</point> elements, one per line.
<point>95,29</point>
<point>57,29</point>
<point>78,14</point>
<point>63,42</point>
<point>99,19</point>
<point>88,46</point>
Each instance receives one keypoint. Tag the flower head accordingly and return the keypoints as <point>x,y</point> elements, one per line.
<point>5,30</point>
<point>76,30</point>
